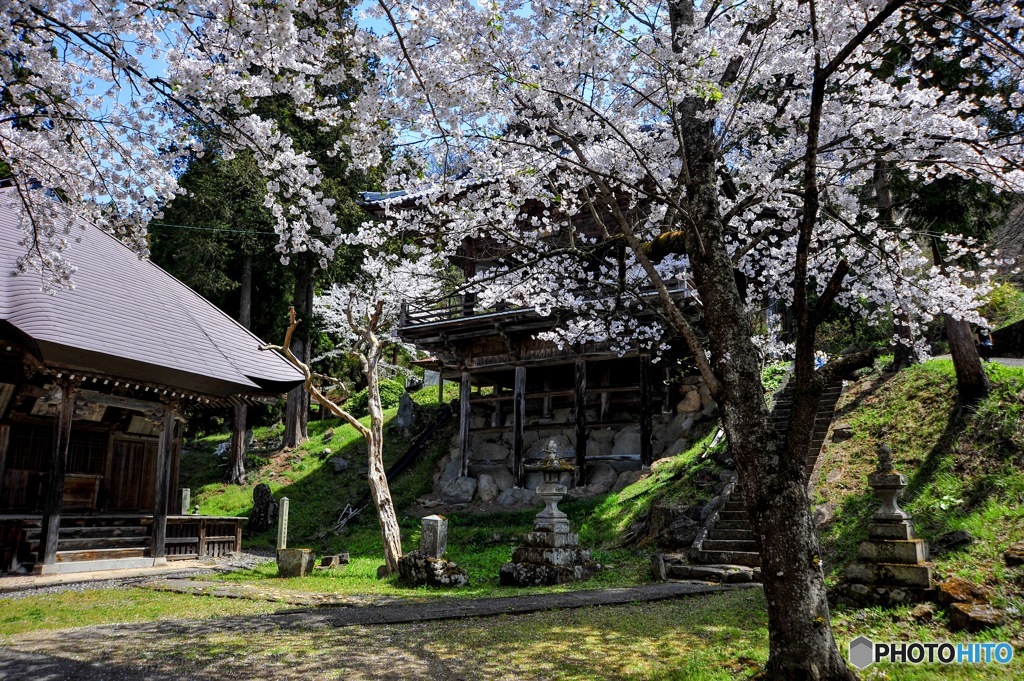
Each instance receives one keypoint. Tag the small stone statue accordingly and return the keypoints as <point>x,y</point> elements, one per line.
<point>885,462</point>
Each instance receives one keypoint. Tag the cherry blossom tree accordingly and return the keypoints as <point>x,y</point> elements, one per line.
<point>359,317</point>
<point>614,143</point>
<point>101,99</point>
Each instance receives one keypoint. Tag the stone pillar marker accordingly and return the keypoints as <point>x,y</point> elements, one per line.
<point>282,524</point>
<point>434,536</point>
<point>186,499</point>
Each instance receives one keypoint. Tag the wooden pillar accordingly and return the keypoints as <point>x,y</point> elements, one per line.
<point>518,423</point>
<point>646,446</point>
<point>440,388</point>
<point>5,436</point>
<point>55,478</point>
<point>465,412</point>
<point>164,458</point>
<point>580,399</point>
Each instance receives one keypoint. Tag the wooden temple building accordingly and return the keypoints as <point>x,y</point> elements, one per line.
<point>600,403</point>
<point>94,382</point>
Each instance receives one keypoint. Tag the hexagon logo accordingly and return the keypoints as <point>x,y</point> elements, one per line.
<point>862,652</point>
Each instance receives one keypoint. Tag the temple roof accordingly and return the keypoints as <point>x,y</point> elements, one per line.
<point>128,318</point>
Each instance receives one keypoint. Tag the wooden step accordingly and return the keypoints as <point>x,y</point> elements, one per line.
<point>100,554</point>
<point>91,543</point>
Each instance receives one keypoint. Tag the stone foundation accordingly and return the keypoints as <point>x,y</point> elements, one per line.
<point>548,558</point>
<point>417,569</point>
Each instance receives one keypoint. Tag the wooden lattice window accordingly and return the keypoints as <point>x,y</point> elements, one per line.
<point>29,449</point>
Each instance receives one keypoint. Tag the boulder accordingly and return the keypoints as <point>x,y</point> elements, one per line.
<point>340,465</point>
<point>452,466</point>
<point>957,590</point>
<point>264,509</point>
<point>923,612</point>
<point>626,444</point>
<point>842,432</point>
<point>460,490</point>
<point>500,474</point>
<point>295,562</point>
<point>690,404</point>
<point>416,569</point>
<point>974,617</point>
<point>488,451</point>
<point>486,488</point>
<point>626,479</point>
<point>517,496</point>
<point>677,447</point>
<point>406,416</point>
<point>602,475</point>
<point>672,526</point>
<point>603,435</point>
<point>536,450</point>
<point>1014,555</point>
<point>951,541</point>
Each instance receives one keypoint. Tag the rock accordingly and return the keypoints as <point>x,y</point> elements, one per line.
<point>328,435</point>
<point>710,410</point>
<point>502,476</point>
<point>626,479</point>
<point>923,612</point>
<point>626,444</point>
<point>488,451</point>
<point>532,479</point>
<point>517,496</point>
<point>842,432</point>
<point>823,514</point>
<point>605,435</point>
<point>602,475</point>
<point>1014,555</point>
<point>658,572</point>
<point>406,416</point>
<point>340,465</point>
<point>951,541</point>
<point>486,488</point>
<point>690,404</point>
<point>417,569</point>
<point>974,617</point>
<point>957,590</point>
<point>710,508</point>
<point>452,468</point>
<point>460,490</point>
<point>562,444</point>
<point>671,526</point>
<point>264,509</point>
<point>337,560</point>
<point>677,447</point>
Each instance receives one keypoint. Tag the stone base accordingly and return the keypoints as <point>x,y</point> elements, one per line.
<point>867,595</point>
<point>295,562</point>
<point>891,529</point>
<point>548,558</point>
<point>907,552</point>
<point>417,569</point>
<point>890,574</point>
<point>532,574</point>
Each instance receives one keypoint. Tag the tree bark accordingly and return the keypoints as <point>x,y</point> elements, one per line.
<point>297,411</point>
<point>904,354</point>
<point>240,414</point>
<point>376,474</point>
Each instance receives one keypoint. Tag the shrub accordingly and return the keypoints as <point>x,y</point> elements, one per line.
<point>390,393</point>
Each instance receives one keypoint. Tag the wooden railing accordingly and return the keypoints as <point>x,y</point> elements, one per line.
<point>196,536</point>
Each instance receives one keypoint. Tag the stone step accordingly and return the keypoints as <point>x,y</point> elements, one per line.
<point>733,506</point>
<point>722,574</point>
<point>732,524</point>
<point>729,545</point>
<point>732,515</point>
<point>704,557</point>
<point>743,534</point>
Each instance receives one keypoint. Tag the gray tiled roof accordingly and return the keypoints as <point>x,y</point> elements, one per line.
<point>128,318</point>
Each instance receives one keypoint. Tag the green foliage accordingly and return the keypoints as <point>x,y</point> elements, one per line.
<point>773,375</point>
<point>390,392</point>
<point>1004,306</point>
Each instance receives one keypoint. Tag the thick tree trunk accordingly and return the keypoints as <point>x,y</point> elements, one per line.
<point>377,475</point>
<point>775,493</point>
<point>297,411</point>
<point>236,475</point>
<point>972,382</point>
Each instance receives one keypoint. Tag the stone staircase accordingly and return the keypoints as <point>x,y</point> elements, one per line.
<point>727,542</point>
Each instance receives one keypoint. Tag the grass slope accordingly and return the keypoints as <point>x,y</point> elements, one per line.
<point>965,472</point>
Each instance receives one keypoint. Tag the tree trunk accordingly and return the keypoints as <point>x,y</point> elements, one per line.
<point>240,415</point>
<point>904,354</point>
<point>377,475</point>
<point>972,382</point>
<point>297,411</point>
<point>771,472</point>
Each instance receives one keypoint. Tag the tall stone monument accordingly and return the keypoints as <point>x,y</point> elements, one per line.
<point>893,565</point>
<point>550,554</point>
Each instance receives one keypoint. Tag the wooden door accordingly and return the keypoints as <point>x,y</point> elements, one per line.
<point>132,476</point>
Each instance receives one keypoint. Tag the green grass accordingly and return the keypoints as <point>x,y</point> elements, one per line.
<point>965,472</point>
<point>1004,306</point>
<point>687,478</point>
